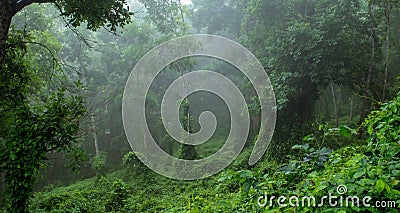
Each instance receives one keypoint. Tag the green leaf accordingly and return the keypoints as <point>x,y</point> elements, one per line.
<point>395,192</point>
<point>309,138</point>
<point>358,174</point>
<point>320,188</point>
<point>247,186</point>
<point>246,174</point>
<point>345,131</point>
<point>380,185</point>
<point>370,129</point>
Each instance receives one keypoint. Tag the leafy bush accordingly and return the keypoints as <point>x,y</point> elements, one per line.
<point>132,164</point>
<point>371,169</point>
<point>118,195</point>
<point>99,163</point>
<point>130,160</point>
<point>384,130</point>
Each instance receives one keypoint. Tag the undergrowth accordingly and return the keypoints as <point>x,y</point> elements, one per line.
<point>368,171</point>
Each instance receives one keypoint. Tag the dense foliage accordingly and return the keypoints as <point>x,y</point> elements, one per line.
<point>37,118</point>
<point>369,169</point>
<point>334,66</point>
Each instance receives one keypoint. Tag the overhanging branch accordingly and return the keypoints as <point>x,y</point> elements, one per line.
<point>18,5</point>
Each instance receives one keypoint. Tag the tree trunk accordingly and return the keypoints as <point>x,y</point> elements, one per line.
<point>96,145</point>
<point>2,190</point>
<point>326,107</point>
<point>335,106</point>
<point>257,122</point>
<point>8,8</point>
<point>371,66</point>
<point>339,96</point>
<point>5,21</point>
<point>188,152</point>
<point>387,22</point>
<point>351,108</point>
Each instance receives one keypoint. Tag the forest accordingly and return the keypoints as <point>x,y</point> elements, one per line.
<point>318,109</point>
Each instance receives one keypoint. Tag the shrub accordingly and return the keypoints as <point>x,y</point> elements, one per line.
<point>99,163</point>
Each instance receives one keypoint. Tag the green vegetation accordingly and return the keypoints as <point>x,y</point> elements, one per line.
<point>334,66</point>
<point>368,169</point>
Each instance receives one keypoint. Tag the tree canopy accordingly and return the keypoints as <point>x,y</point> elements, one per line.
<point>334,66</point>
<point>108,13</point>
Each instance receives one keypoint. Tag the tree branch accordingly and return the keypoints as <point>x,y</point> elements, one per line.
<point>21,4</point>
